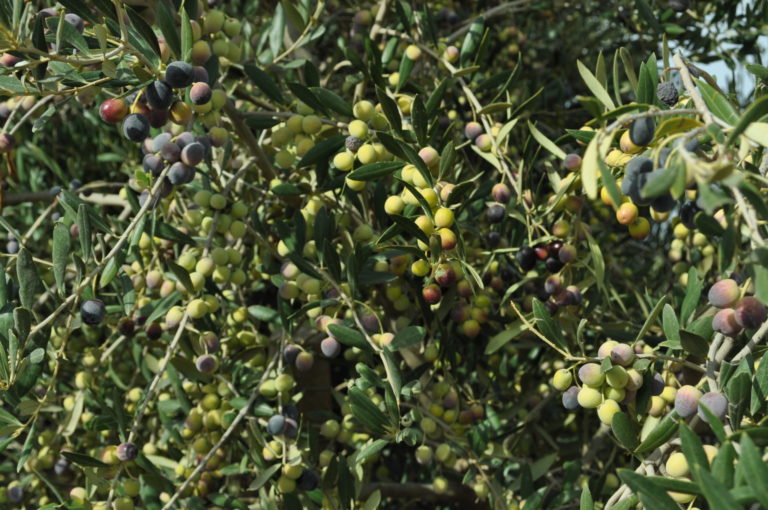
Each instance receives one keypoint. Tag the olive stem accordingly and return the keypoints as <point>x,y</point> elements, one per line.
<point>542,337</point>
<point>103,264</point>
<point>235,422</point>
<point>712,361</point>
<point>29,113</point>
<point>313,19</point>
<point>490,13</point>
<point>756,339</point>
<point>685,75</point>
<point>148,397</point>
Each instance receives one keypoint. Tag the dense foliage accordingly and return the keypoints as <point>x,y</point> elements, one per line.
<point>327,254</point>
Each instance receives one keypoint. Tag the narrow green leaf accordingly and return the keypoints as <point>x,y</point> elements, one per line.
<point>264,477</point>
<point>755,111</point>
<point>647,14</point>
<point>186,35</point>
<point>29,280</point>
<point>144,30</point>
<point>651,320</point>
<point>10,85</point>
<point>333,101</point>
<point>390,109</point>
<point>718,104</point>
<point>29,445</point>
<point>277,30</point>
<point>660,434</point>
<point>84,231</point>
<point>673,484</point>
<point>69,35</point>
<point>755,469</point>
<point>407,337</point>
<point>693,343</point>
<point>715,493</point>
<point>660,184</point>
<point>625,430</point>
<point>364,410</point>
<point>111,269</point>
<point>593,84</point>
<point>394,377</point>
<point>419,120</point>
<point>437,96</point>
<point>723,464</point>
<point>322,151</point>
<point>671,327</point>
<point>265,82</point>
<point>590,168</point>
<point>649,494</point>
<point>83,460</point>
<point>164,14</point>
<point>472,41</point>
<point>692,447</point>
<point>546,142</point>
<point>548,327</point>
<point>376,170</point>
<point>585,501</point>
<point>349,336</point>
<point>60,254</point>
<point>692,295</point>
<point>500,339</point>
<point>369,449</point>
<point>410,227</point>
<point>406,66</point>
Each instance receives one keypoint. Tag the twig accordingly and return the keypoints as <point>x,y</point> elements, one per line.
<point>29,113</point>
<point>749,216</point>
<point>148,398</point>
<point>490,13</point>
<point>313,19</point>
<point>651,460</point>
<point>240,416</point>
<point>685,75</point>
<point>536,332</point>
<point>756,339</point>
<point>712,361</point>
<point>113,252</point>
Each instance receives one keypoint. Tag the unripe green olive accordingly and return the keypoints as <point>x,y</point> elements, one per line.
<point>394,205</point>
<point>83,380</point>
<point>358,129</point>
<point>607,410</point>
<point>344,161</point>
<point>589,398</point>
<point>197,308</point>
<point>205,266</point>
<point>239,210</point>
<point>201,52</point>
<point>311,124</point>
<point>366,154</point>
<point>444,218</point>
<point>429,426</point>
<point>286,485</point>
<point>232,27</point>
<point>330,429</point>
<point>213,21</point>
<point>363,110</point>
<point>617,377</point>
<point>677,465</point>
<point>284,382</point>
<point>562,379</point>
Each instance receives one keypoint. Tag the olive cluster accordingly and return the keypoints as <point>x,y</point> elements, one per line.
<point>736,312</point>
